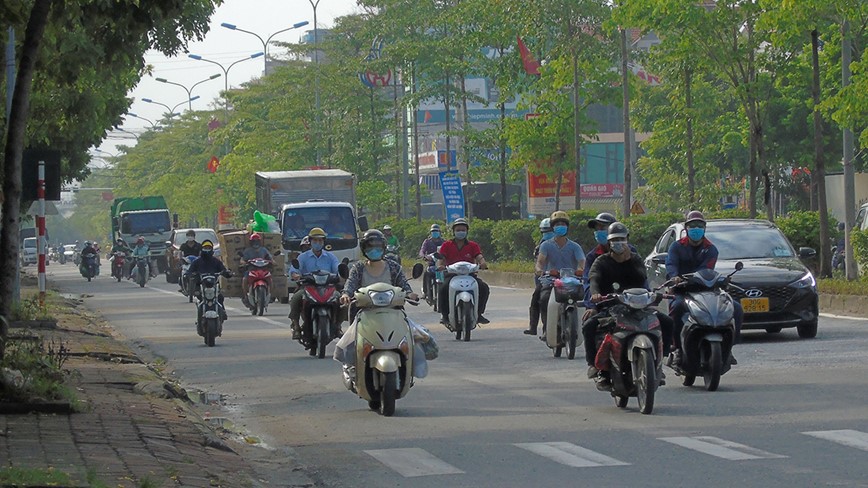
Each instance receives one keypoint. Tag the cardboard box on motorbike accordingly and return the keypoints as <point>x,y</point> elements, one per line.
<point>233,244</point>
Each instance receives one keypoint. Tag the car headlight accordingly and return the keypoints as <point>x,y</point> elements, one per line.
<point>806,281</point>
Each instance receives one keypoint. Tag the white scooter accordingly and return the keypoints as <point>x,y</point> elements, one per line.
<point>463,299</point>
<point>384,348</point>
<point>563,311</point>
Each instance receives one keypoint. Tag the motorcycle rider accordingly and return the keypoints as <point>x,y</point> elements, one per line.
<point>88,250</point>
<point>208,264</point>
<point>254,251</point>
<point>120,245</point>
<point>303,247</point>
<point>689,255</point>
<point>619,265</point>
<point>555,254</point>
<point>141,250</point>
<point>545,229</point>
<point>317,258</point>
<point>600,224</point>
<point>461,249</point>
<point>189,248</point>
<point>430,246</point>
<point>838,252</point>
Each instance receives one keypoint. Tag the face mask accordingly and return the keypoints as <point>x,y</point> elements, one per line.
<point>461,234</point>
<point>548,235</point>
<point>190,239</point>
<point>560,230</point>
<point>601,236</point>
<point>207,252</point>
<point>256,244</point>
<point>696,233</point>
<point>316,246</point>
<point>374,254</point>
<point>619,247</point>
<point>435,235</point>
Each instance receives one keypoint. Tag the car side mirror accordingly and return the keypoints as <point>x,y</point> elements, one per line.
<point>659,258</point>
<point>807,252</point>
<point>363,223</point>
<point>343,270</point>
<point>418,269</point>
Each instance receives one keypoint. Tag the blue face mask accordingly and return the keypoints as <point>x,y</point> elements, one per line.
<point>601,236</point>
<point>619,247</point>
<point>316,246</point>
<point>461,234</point>
<point>548,235</point>
<point>696,233</point>
<point>560,230</point>
<point>374,254</point>
<point>435,235</point>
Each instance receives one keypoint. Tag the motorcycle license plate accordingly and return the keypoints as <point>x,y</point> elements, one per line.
<point>754,305</point>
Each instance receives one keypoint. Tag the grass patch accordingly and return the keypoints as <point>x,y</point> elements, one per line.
<point>33,477</point>
<point>840,286</point>
<point>32,370</point>
<point>30,309</point>
<point>512,266</point>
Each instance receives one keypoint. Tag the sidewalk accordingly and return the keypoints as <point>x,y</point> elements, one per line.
<point>132,432</point>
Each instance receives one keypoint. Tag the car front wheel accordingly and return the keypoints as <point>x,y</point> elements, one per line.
<point>807,330</point>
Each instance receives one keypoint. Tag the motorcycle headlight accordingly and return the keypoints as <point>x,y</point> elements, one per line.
<point>210,293</point>
<point>381,298</point>
<point>806,281</point>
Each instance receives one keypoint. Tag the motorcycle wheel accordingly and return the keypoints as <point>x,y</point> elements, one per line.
<point>572,333</point>
<point>322,325</point>
<point>89,278</point>
<point>388,394</point>
<point>468,322</point>
<point>621,401</point>
<point>688,380</point>
<point>646,381</point>
<point>374,404</point>
<point>190,292</point>
<point>556,352</point>
<point>714,366</point>
<point>260,300</point>
<point>459,327</point>
<point>211,332</point>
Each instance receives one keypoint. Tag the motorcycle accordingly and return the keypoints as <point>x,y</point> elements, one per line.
<point>186,282</point>
<point>463,299</point>
<point>140,272</point>
<point>320,309</point>
<point>434,279</point>
<point>88,267</point>
<point>563,310</point>
<point>209,310</point>
<point>76,257</point>
<point>709,327</point>
<point>66,255</point>
<point>630,347</point>
<point>838,258</point>
<point>384,348</point>
<point>392,253</point>
<point>118,260</point>
<point>259,285</point>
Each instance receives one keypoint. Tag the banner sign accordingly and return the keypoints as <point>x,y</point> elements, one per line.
<point>453,196</point>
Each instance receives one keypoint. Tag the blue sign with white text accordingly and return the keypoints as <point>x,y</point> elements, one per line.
<point>453,195</point>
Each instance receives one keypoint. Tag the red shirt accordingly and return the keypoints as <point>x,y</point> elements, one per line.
<point>451,253</point>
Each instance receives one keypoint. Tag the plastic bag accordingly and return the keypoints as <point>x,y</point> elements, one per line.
<point>263,222</point>
<point>420,362</point>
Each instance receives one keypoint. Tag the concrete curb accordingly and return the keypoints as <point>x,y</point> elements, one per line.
<point>849,305</point>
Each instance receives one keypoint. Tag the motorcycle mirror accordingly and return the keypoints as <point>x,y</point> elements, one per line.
<point>418,269</point>
<point>343,270</point>
<point>739,266</point>
<point>346,261</point>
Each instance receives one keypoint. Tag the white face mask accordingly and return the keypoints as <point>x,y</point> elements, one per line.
<point>190,239</point>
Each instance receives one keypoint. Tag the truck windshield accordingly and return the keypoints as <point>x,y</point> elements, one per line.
<point>145,223</point>
<point>337,222</point>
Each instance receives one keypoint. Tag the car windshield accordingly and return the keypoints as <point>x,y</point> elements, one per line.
<point>201,235</point>
<point>750,242</point>
<point>337,222</point>
<point>146,223</point>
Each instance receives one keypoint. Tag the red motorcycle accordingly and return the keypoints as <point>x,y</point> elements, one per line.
<point>259,285</point>
<point>320,310</point>
<point>118,259</point>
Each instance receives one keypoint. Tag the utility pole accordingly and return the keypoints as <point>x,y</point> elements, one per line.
<point>849,172</point>
<point>628,157</point>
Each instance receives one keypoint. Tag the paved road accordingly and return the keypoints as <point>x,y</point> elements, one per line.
<point>500,411</point>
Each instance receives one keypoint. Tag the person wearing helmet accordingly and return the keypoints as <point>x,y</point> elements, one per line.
<point>89,251</point>
<point>838,261</point>
<point>141,250</point>
<point>208,264</point>
<point>316,259</point>
<point>688,255</point>
<point>429,247</point>
<point>600,225</point>
<point>545,230</point>
<point>190,247</point>
<point>121,246</point>
<point>254,250</point>
<point>555,254</point>
<point>461,249</point>
<point>391,239</point>
<point>623,266</point>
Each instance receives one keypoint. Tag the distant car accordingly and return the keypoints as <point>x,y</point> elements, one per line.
<point>29,252</point>
<point>779,291</point>
<point>173,252</point>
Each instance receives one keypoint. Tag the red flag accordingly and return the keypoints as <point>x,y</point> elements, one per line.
<point>427,117</point>
<point>531,65</point>
<point>213,164</point>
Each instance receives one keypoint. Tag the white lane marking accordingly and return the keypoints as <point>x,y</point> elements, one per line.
<point>847,437</point>
<point>717,447</point>
<point>570,454</point>
<point>412,462</point>
<point>167,292</point>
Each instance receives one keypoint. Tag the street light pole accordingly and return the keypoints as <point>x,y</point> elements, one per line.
<point>266,41</point>
<point>189,90</point>
<point>189,101</point>
<point>153,125</point>
<point>171,112</point>
<point>315,4</point>
<point>225,69</point>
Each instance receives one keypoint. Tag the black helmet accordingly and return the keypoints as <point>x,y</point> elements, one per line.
<point>460,221</point>
<point>370,237</point>
<point>604,218</point>
<point>617,230</point>
<point>841,226</point>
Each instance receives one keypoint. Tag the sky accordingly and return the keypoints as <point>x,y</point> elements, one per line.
<point>264,17</point>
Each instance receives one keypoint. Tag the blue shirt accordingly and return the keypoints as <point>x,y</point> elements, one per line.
<point>570,256</point>
<point>308,262</point>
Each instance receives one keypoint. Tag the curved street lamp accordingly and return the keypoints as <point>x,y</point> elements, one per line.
<point>266,41</point>
<point>225,69</point>
<point>153,125</point>
<point>189,90</point>
<point>171,113</point>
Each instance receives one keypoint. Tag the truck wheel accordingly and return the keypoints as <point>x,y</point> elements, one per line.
<point>162,265</point>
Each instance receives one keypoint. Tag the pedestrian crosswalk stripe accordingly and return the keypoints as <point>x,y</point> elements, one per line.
<point>412,462</point>
<point>850,438</point>
<point>570,454</point>
<point>714,446</point>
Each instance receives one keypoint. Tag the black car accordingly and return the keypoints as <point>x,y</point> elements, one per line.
<point>779,290</point>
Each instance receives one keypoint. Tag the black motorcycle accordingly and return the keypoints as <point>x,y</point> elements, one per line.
<point>209,310</point>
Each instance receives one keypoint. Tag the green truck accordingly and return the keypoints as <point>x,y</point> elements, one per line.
<point>147,217</point>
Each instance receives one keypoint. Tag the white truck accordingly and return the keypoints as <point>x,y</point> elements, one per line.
<point>304,199</point>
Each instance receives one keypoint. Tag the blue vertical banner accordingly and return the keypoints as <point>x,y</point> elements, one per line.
<point>453,195</point>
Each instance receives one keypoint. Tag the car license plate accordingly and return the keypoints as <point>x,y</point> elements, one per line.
<point>753,305</point>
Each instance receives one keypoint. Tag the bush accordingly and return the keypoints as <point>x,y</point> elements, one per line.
<point>515,240</point>
<point>646,229</point>
<point>33,370</point>
<point>859,241</point>
<point>802,228</point>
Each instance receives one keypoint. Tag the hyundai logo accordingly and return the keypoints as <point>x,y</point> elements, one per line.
<point>753,293</point>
